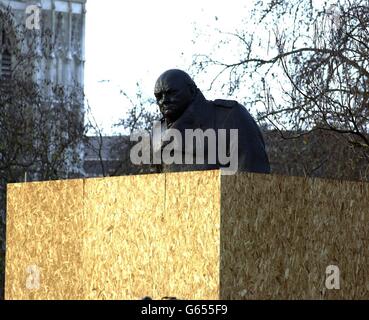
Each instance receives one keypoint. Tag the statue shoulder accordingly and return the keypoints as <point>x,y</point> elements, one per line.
<point>225,103</point>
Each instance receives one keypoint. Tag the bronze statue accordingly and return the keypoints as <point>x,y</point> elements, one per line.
<point>184,107</point>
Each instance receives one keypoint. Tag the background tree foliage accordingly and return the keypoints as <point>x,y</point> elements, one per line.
<point>140,116</point>
<point>305,68</point>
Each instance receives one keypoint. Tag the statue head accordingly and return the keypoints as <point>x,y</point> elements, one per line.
<point>174,92</point>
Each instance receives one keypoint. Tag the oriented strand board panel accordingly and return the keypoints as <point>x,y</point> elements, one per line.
<point>44,240</point>
<point>279,234</point>
<point>154,235</point>
<point>115,238</point>
<point>191,242</point>
<point>195,235</point>
<point>123,220</point>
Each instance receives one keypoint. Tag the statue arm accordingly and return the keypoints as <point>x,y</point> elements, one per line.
<point>252,155</point>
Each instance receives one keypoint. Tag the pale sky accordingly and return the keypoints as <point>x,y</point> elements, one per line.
<point>135,41</point>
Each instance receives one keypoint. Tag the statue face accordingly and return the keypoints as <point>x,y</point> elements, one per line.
<point>173,95</point>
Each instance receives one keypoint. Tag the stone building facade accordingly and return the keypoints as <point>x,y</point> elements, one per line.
<point>56,36</point>
<point>43,42</point>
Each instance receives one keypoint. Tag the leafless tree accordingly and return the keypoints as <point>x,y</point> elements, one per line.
<point>139,115</point>
<point>305,68</point>
<point>113,152</point>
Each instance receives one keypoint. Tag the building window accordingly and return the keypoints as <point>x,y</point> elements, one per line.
<point>6,57</point>
<point>6,65</point>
